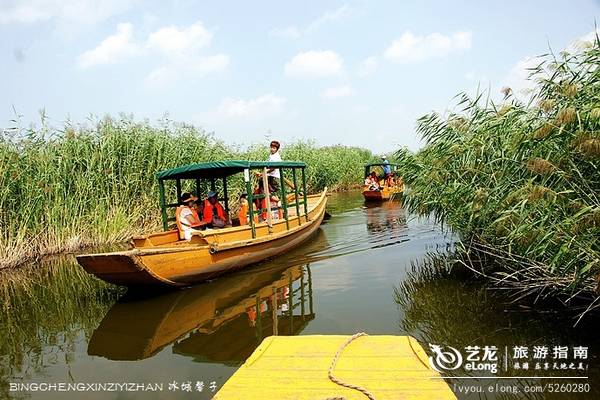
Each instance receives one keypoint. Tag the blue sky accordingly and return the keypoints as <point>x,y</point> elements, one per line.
<point>350,72</point>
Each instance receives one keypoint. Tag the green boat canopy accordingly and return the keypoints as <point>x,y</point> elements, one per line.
<point>220,169</point>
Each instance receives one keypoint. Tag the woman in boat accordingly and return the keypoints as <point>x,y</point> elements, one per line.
<point>213,212</point>
<point>187,218</point>
<point>371,182</point>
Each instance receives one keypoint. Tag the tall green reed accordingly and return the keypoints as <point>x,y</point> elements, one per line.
<point>521,180</point>
<point>79,186</point>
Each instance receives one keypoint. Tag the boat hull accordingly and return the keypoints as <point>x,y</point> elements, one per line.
<point>380,195</point>
<point>213,253</point>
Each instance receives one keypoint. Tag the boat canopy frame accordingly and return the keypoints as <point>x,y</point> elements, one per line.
<point>212,171</point>
<point>394,167</point>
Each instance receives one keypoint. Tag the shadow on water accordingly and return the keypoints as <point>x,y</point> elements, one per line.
<point>442,304</point>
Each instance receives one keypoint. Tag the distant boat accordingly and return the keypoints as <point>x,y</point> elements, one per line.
<point>385,191</point>
<point>163,259</point>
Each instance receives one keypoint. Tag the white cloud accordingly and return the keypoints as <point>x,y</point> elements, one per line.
<point>368,67</point>
<point>160,77</point>
<point>267,105</point>
<point>517,78</point>
<point>293,32</point>
<point>174,41</point>
<point>338,92</point>
<point>314,64</point>
<point>112,49</point>
<point>583,42</point>
<point>330,16</point>
<point>80,12</point>
<point>411,49</point>
<point>165,75</point>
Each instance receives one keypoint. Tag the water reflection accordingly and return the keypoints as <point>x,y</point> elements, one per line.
<point>386,219</point>
<point>221,321</point>
<point>442,304</point>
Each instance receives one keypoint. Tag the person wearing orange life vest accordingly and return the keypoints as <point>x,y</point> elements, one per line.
<point>243,212</point>
<point>214,213</point>
<point>187,218</point>
<point>276,211</point>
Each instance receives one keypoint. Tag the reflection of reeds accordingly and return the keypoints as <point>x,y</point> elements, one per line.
<point>47,308</point>
<point>440,304</point>
<point>537,164</point>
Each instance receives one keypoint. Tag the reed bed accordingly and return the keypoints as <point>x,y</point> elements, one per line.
<point>47,311</point>
<point>61,190</point>
<point>520,181</point>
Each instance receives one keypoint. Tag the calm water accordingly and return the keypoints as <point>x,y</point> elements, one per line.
<point>374,269</point>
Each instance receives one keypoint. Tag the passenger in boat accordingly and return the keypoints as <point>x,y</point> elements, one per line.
<point>389,180</point>
<point>273,173</point>
<point>276,212</point>
<point>371,182</point>
<point>187,218</point>
<point>214,213</point>
<point>243,211</point>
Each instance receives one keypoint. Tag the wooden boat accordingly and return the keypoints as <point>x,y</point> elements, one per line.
<point>385,192</point>
<point>163,259</point>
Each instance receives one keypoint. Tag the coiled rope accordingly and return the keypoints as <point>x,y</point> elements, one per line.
<point>339,381</point>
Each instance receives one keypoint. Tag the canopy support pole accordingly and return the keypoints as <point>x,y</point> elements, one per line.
<point>163,208</point>
<point>284,199</point>
<point>250,198</point>
<point>296,193</point>
<point>304,193</point>
<point>226,196</point>
<point>267,194</point>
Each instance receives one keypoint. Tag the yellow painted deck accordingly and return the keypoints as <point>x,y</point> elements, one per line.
<point>296,367</point>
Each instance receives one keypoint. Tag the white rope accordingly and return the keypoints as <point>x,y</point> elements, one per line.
<point>340,382</point>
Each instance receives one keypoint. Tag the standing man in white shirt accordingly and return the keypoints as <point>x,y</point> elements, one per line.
<point>273,173</point>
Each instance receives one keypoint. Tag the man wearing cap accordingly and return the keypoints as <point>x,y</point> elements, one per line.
<point>386,168</point>
<point>186,217</point>
<point>214,213</point>
<point>273,173</point>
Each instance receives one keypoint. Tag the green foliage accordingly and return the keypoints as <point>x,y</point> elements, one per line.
<point>522,179</point>
<point>60,190</point>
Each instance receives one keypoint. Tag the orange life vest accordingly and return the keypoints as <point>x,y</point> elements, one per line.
<point>208,211</point>
<point>243,213</point>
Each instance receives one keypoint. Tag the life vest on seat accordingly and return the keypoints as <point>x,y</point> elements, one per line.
<point>207,212</point>
<point>181,225</point>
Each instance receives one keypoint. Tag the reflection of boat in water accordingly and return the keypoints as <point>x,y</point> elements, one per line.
<point>227,318</point>
<point>383,218</point>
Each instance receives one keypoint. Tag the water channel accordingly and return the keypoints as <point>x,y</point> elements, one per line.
<point>369,268</point>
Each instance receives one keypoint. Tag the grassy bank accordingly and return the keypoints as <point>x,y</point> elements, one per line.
<point>64,189</point>
<point>520,182</point>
